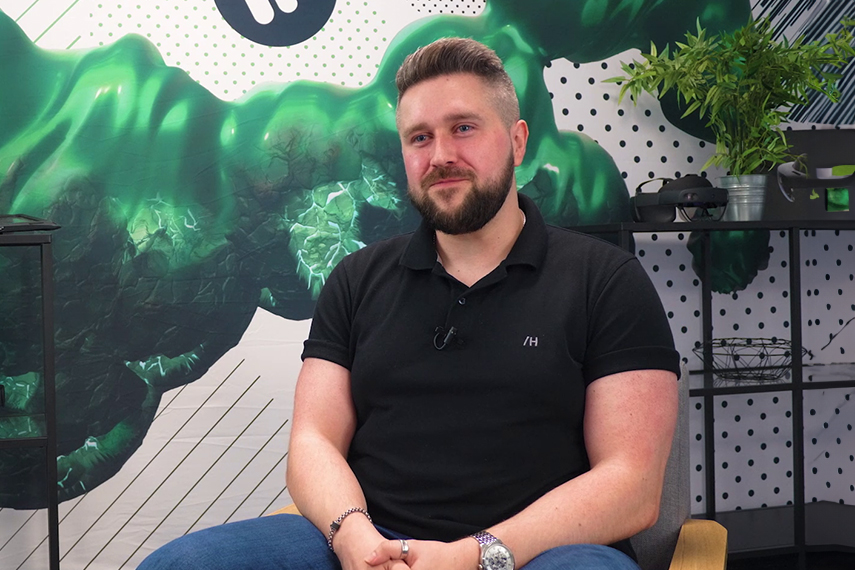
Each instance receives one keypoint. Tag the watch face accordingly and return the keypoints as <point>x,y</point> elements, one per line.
<point>497,556</point>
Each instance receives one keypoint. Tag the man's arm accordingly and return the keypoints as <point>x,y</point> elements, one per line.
<point>629,424</point>
<point>320,481</point>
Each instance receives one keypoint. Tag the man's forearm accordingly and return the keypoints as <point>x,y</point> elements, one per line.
<point>320,481</point>
<point>629,424</point>
<point>598,507</point>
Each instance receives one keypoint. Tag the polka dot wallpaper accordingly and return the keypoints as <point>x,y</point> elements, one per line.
<point>192,35</point>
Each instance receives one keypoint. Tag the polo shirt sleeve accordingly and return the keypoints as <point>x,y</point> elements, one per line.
<point>329,335</point>
<point>628,329</point>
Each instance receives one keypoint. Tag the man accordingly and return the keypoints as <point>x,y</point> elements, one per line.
<point>489,390</point>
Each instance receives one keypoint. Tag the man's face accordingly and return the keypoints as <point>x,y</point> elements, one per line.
<point>458,153</point>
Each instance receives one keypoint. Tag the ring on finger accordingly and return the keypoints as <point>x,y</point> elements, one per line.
<point>405,548</point>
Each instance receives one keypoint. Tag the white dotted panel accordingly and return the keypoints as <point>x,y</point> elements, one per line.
<point>762,310</point>
<point>192,35</point>
<point>754,451</point>
<point>828,295</point>
<point>669,264</point>
<point>830,446</point>
<point>466,8</point>
<point>639,138</point>
<point>697,462</point>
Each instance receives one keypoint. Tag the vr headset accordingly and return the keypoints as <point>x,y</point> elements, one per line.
<point>692,195</point>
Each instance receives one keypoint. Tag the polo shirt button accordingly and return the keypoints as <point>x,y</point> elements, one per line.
<point>462,300</point>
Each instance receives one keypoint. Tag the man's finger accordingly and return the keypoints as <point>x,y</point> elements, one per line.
<point>386,551</point>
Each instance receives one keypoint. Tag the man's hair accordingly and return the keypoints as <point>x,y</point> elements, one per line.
<point>461,55</point>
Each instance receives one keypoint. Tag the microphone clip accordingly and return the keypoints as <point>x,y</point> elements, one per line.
<point>442,338</point>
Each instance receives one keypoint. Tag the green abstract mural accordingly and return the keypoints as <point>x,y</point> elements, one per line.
<point>182,213</point>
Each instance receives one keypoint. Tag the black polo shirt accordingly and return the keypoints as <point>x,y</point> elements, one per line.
<point>452,441</point>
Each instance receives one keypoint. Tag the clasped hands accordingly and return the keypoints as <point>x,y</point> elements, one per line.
<point>462,554</point>
<point>425,555</point>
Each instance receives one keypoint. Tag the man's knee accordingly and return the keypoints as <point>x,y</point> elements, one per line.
<point>187,553</point>
<point>277,542</point>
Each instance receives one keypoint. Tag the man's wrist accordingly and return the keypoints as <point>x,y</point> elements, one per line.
<point>336,524</point>
<point>494,555</point>
<point>470,553</point>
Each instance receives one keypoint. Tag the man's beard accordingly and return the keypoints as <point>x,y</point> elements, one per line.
<point>479,207</point>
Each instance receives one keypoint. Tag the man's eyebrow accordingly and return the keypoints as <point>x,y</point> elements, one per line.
<point>459,117</point>
<point>415,128</point>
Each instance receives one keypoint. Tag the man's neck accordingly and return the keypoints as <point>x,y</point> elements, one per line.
<point>469,257</point>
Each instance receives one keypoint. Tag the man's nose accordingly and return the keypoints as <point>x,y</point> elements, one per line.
<point>444,151</point>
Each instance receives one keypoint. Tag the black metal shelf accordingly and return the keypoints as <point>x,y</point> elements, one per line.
<point>799,533</point>
<point>48,441</point>
<point>23,442</point>
<point>771,529</point>
<point>814,377</point>
<point>669,227</point>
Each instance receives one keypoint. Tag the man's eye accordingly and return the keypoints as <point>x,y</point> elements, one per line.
<point>464,128</point>
<point>419,138</point>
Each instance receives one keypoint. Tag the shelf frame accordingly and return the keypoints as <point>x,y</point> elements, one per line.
<point>44,242</point>
<point>796,386</point>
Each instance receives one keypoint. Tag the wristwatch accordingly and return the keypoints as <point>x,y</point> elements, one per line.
<point>494,554</point>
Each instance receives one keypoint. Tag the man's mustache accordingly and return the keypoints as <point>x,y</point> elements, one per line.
<point>444,172</point>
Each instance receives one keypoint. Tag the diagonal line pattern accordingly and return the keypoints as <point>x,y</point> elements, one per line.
<point>24,13</point>
<point>29,518</point>
<point>248,463</point>
<point>199,480</point>
<point>254,489</point>
<point>146,466</point>
<point>165,406</point>
<point>55,21</point>
<point>814,19</point>
<point>171,473</point>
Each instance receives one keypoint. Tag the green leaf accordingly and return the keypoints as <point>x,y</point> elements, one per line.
<point>744,83</point>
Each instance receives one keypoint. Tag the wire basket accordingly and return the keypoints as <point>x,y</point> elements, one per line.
<point>749,359</point>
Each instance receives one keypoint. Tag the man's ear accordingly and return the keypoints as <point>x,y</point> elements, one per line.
<point>519,139</point>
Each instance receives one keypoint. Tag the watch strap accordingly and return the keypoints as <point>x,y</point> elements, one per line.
<point>484,538</point>
<point>486,541</point>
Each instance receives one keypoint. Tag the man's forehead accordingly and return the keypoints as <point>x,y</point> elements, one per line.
<point>434,101</point>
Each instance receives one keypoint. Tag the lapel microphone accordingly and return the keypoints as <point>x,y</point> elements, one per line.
<point>442,338</point>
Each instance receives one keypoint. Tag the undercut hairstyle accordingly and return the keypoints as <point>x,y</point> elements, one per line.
<point>448,56</point>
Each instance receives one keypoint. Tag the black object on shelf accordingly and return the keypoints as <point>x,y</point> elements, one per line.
<point>747,536</point>
<point>23,223</point>
<point>692,195</point>
<point>34,236</point>
<point>758,360</point>
<point>799,192</point>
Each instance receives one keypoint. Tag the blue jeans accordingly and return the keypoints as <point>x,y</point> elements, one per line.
<point>291,542</point>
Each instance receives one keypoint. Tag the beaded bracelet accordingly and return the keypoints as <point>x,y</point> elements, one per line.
<point>336,524</point>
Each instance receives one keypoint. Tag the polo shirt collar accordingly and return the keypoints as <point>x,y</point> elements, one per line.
<point>529,249</point>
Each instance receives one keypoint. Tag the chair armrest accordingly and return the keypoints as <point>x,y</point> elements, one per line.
<point>289,510</point>
<point>702,545</point>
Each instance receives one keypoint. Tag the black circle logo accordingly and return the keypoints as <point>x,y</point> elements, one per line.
<point>276,22</point>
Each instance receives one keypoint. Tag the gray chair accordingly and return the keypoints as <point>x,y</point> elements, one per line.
<point>676,541</point>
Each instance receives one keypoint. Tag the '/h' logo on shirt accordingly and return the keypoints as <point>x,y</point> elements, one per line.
<point>530,341</point>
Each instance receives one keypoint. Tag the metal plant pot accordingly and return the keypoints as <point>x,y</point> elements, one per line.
<point>746,195</point>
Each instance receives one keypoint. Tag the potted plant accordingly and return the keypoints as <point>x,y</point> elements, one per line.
<point>744,84</point>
